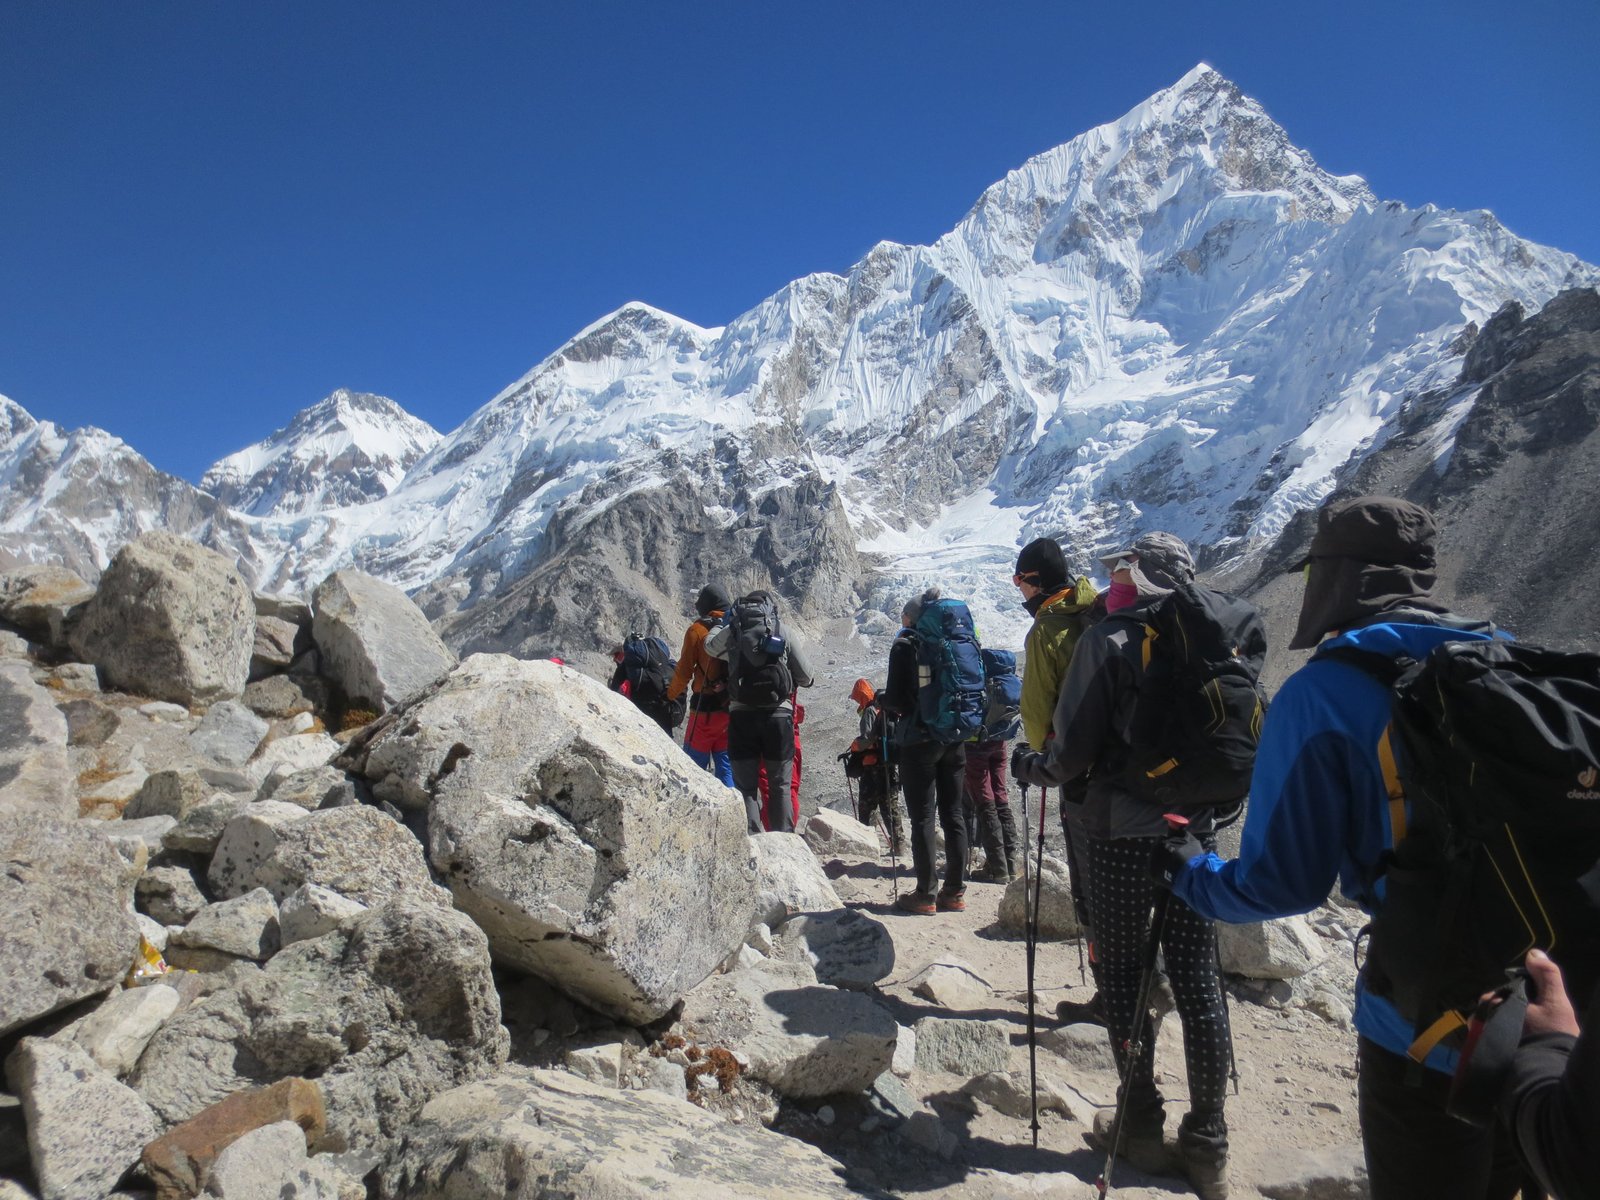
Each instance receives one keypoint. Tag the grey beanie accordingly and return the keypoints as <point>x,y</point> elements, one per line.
<point>913,608</point>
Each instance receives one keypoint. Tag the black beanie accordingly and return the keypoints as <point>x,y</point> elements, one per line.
<point>711,599</point>
<point>1043,558</point>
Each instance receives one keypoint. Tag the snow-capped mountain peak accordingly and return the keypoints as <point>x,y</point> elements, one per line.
<point>350,448</point>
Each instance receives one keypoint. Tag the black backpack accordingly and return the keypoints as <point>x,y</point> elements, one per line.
<point>1495,744</point>
<point>647,665</point>
<point>1197,719</point>
<point>758,670</point>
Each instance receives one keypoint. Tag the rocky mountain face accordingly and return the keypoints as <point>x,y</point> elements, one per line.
<point>1505,456</point>
<point>351,448</point>
<point>1175,320</point>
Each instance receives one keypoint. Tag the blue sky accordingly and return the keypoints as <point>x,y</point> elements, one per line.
<point>214,214</point>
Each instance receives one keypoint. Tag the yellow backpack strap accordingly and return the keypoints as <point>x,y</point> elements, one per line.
<point>1434,1034</point>
<point>1147,647</point>
<point>1391,783</point>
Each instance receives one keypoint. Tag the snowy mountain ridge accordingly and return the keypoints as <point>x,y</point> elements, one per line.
<point>1174,320</point>
<point>350,448</point>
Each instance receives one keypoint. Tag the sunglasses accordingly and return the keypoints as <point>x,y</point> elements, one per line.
<point>1122,564</point>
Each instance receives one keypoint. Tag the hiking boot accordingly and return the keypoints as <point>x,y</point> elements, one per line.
<point>991,872</point>
<point>1201,1153</point>
<point>952,901</point>
<point>1085,1012</point>
<point>1142,1144</point>
<point>916,902</point>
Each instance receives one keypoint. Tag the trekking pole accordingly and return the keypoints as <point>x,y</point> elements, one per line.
<point>1077,889</point>
<point>1029,916</point>
<point>1133,1047</point>
<point>1227,1023</point>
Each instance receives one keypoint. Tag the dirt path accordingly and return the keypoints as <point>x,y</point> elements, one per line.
<point>1297,1085</point>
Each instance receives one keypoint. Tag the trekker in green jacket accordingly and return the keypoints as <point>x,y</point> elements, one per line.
<point>1061,609</point>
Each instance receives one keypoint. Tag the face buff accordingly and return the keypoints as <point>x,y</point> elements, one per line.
<point>1120,596</point>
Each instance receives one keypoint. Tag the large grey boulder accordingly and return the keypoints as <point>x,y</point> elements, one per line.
<point>375,643</point>
<point>66,917</point>
<point>845,948</point>
<point>548,1133</point>
<point>85,1130</point>
<point>1284,949</point>
<point>357,851</point>
<point>572,830</point>
<point>1058,918</point>
<point>789,879</point>
<point>39,600</point>
<point>801,1038</point>
<point>34,773</point>
<point>383,1014</point>
<point>171,620</point>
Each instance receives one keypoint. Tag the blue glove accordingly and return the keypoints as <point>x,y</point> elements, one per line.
<point>1172,857</point>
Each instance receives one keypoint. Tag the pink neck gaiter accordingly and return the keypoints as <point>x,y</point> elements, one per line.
<point>1120,596</point>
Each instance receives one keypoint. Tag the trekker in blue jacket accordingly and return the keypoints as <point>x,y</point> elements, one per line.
<point>1319,813</point>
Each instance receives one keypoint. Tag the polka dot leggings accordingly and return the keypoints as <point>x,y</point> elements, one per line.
<point>1121,898</point>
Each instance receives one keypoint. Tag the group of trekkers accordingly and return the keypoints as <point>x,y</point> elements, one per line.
<point>741,673</point>
<point>1440,773</point>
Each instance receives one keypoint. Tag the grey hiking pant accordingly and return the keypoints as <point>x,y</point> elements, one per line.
<point>758,736</point>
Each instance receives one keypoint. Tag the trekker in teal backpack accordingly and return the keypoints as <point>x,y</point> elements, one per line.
<point>936,695</point>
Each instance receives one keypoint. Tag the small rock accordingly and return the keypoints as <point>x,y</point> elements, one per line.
<point>229,733</point>
<point>597,1064</point>
<point>846,948</point>
<point>201,830</point>
<point>311,910</point>
<point>833,835</point>
<point>825,1114</point>
<point>167,794</point>
<point>169,895</point>
<point>953,984</point>
<point>1085,1047</point>
<point>79,677</point>
<point>180,1159</point>
<point>119,1029</point>
<point>1335,1173</point>
<point>926,1130</point>
<point>663,1076</point>
<point>161,710</point>
<point>962,1047</point>
<point>905,1052</point>
<point>1284,949</point>
<point>246,927</point>
<point>89,723</point>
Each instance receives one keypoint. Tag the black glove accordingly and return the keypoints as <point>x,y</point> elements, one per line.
<point>1021,759</point>
<point>1172,857</point>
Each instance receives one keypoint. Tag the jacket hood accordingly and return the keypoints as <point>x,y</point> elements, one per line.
<point>1344,592</point>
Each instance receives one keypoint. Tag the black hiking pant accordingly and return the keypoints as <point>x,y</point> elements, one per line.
<point>934,776</point>
<point>1417,1151</point>
<point>758,736</point>
<point>1121,899</point>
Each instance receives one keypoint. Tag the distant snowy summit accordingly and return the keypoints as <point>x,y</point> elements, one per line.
<point>351,448</point>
